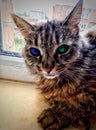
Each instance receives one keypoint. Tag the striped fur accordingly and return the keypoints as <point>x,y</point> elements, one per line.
<point>68,80</point>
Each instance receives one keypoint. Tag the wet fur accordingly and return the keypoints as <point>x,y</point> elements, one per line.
<point>71,95</point>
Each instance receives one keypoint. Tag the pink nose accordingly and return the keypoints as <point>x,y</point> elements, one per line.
<point>48,70</point>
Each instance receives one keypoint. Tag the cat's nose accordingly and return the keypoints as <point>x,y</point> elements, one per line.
<point>48,70</point>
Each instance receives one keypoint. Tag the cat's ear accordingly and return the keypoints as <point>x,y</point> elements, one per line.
<point>24,27</point>
<point>73,19</point>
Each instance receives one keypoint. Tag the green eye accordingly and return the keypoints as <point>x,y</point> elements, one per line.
<point>62,49</point>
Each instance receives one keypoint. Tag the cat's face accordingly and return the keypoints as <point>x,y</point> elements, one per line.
<point>51,48</point>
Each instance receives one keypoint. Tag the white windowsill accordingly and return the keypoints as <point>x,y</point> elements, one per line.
<point>14,68</point>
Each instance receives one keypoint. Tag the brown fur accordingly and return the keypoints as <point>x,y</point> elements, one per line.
<point>66,101</point>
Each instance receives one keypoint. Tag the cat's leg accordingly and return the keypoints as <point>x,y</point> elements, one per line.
<point>86,124</point>
<point>82,124</point>
<point>51,119</point>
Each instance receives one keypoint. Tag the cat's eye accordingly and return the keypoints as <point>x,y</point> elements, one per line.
<point>62,49</point>
<point>34,51</point>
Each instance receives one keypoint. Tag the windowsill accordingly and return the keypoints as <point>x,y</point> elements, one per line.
<point>14,68</point>
<point>19,106</point>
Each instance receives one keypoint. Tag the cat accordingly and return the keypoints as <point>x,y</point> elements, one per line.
<point>66,63</point>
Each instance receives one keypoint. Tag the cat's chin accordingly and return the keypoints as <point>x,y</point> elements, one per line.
<point>50,76</point>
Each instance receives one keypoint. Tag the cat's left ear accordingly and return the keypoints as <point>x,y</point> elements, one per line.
<point>24,27</point>
<point>73,19</point>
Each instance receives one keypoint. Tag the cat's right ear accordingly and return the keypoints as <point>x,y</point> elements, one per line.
<point>24,27</point>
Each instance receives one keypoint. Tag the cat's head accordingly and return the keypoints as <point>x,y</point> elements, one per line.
<point>52,47</point>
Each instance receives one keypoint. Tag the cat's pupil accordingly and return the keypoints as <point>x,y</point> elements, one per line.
<point>34,51</point>
<point>62,49</point>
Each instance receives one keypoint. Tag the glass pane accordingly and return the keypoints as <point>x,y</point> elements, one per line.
<point>34,12</point>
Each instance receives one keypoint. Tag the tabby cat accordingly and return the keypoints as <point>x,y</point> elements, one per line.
<point>66,63</point>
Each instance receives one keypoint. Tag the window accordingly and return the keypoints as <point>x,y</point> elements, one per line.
<point>11,41</point>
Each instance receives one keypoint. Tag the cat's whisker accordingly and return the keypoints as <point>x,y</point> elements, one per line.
<point>67,77</point>
<point>86,71</point>
<point>60,67</point>
<point>82,67</point>
<point>83,75</point>
<point>38,68</point>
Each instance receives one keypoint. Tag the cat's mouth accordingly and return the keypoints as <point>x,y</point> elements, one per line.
<point>50,76</point>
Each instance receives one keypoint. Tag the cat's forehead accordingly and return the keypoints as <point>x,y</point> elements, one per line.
<point>49,26</point>
<point>48,34</point>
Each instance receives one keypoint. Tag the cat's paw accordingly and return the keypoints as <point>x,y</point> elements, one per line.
<point>48,121</point>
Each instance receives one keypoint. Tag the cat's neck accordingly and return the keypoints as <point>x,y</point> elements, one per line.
<point>56,86</point>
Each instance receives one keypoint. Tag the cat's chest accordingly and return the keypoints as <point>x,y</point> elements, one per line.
<point>71,95</point>
<point>55,94</point>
